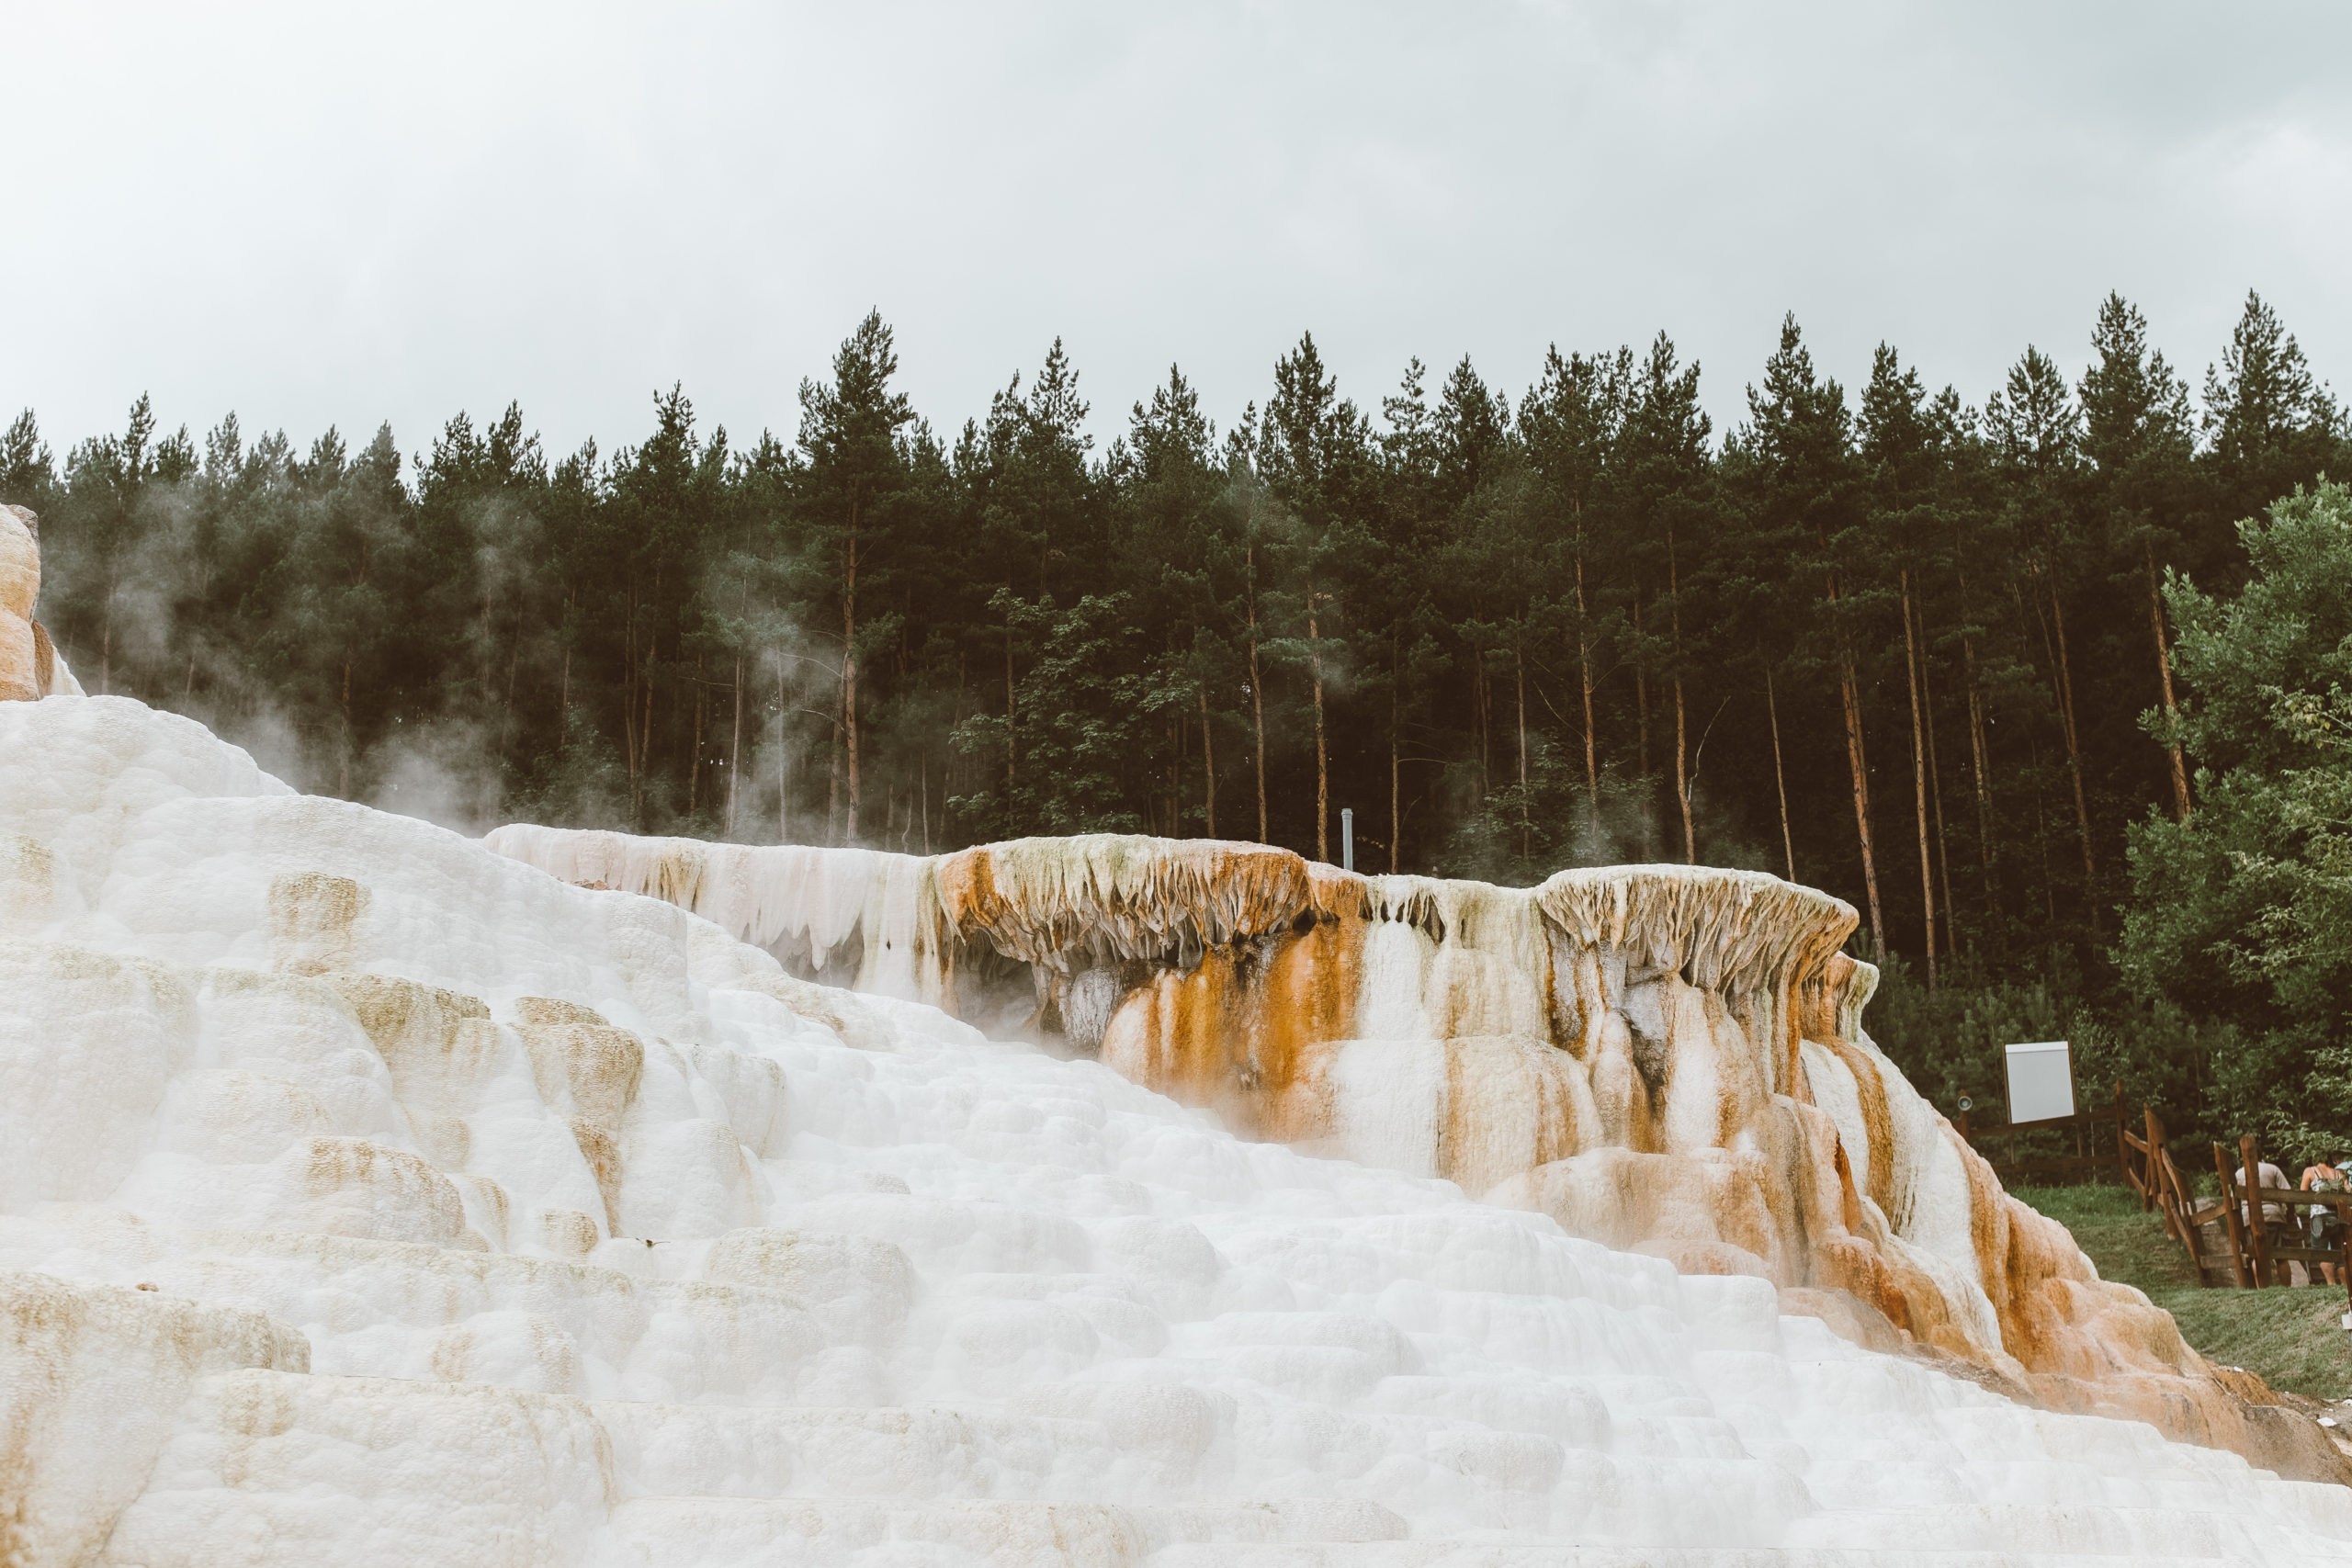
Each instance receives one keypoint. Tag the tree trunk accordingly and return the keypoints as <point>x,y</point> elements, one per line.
<point>735,749</point>
<point>1682,780</point>
<point>628,691</point>
<point>1779,778</point>
<point>1526,827</point>
<point>1681,736</point>
<point>1849,696</point>
<point>1641,700</point>
<point>1396,764</point>
<point>833,787</point>
<point>1978,763</point>
<point>1179,753</point>
<point>1322,760</point>
<point>506,705</point>
<point>783,755</point>
<point>694,765</point>
<point>1208,764</point>
<point>645,728</point>
<point>2163,674</point>
<point>2075,774</point>
<point>343,789</point>
<point>1978,760</point>
<point>1584,680</point>
<point>1919,779</point>
<point>2072,736</point>
<point>2042,838</point>
<point>1011,749</point>
<point>1486,729</point>
<point>1936,800</point>
<point>849,671</point>
<point>1257,719</point>
<point>1257,692</point>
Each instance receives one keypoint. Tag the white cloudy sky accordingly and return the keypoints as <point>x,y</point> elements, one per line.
<point>314,214</point>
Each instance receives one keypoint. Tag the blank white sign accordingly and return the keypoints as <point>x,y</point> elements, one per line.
<point>2041,1082</point>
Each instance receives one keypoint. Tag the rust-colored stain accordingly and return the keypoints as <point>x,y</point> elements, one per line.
<point>313,921</point>
<point>585,1067</point>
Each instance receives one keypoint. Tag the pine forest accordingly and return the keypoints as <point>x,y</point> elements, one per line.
<point>1975,662</point>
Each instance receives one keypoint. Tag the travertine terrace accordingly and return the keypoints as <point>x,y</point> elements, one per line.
<point>371,1198</point>
<point>1667,1060</point>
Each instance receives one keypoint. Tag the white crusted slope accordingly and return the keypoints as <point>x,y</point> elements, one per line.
<point>492,1220</point>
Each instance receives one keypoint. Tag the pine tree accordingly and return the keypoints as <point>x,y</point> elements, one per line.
<point>2270,424</point>
<point>2139,440</point>
<point>1800,474</point>
<point>850,471</point>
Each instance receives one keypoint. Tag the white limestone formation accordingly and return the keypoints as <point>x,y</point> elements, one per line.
<point>371,1198</point>
<point>1667,1060</point>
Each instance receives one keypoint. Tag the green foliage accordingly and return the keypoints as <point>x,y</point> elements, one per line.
<point>1512,632</point>
<point>2246,906</point>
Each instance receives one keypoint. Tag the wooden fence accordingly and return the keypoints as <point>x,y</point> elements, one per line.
<point>2226,1243</point>
<point>2233,1239</point>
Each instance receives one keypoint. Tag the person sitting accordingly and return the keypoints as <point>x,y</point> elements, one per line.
<point>2266,1175</point>
<point>2274,1215</point>
<point>2327,1225</point>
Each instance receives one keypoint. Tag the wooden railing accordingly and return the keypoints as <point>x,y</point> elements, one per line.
<point>2264,1258</point>
<point>2149,1170</point>
<point>2228,1240</point>
<point>2230,1237</point>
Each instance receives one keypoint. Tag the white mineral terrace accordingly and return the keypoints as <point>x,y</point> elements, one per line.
<point>369,1197</point>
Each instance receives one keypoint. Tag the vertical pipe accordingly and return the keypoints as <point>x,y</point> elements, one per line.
<point>1347,838</point>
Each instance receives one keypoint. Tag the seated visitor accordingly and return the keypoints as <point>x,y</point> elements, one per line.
<point>2327,1225</point>
<point>2269,1176</point>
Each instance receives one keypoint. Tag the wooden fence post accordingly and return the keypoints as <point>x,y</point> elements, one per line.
<point>2180,1207</point>
<point>2230,1216</point>
<point>2250,1157</point>
<point>2343,1251</point>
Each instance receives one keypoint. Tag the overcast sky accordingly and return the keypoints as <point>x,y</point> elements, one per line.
<point>317,214</point>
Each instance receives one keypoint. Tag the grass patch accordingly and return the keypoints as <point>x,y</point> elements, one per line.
<point>2291,1337</point>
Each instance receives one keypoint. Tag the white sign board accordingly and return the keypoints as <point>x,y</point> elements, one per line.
<point>2041,1082</point>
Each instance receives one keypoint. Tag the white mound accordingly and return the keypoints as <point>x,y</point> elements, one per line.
<point>491,1220</point>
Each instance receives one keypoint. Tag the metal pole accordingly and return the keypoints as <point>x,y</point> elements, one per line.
<point>1347,838</point>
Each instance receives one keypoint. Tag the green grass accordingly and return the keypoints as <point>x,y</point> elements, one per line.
<point>2291,1337</point>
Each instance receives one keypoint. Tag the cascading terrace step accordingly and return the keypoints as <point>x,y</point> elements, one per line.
<point>464,1473</point>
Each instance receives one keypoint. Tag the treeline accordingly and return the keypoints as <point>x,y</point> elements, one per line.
<point>1894,643</point>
